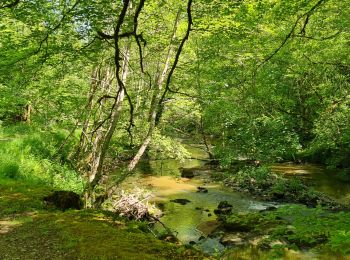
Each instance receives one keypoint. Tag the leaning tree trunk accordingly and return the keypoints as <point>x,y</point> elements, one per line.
<point>95,175</point>
<point>155,100</point>
<point>103,137</point>
<point>160,93</point>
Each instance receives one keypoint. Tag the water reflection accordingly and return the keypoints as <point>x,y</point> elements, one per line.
<point>319,177</point>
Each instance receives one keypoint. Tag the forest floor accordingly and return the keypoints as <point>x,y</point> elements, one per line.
<point>29,231</point>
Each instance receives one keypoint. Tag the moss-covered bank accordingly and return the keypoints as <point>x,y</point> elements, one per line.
<point>293,227</point>
<point>29,231</point>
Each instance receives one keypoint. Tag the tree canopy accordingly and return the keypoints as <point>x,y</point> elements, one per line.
<point>265,80</point>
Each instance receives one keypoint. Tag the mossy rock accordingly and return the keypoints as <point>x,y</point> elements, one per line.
<point>64,200</point>
<point>242,222</point>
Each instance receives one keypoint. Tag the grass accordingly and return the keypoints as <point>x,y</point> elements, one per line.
<point>29,154</point>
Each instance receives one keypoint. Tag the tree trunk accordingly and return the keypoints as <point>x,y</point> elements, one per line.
<point>155,100</point>
<point>103,138</point>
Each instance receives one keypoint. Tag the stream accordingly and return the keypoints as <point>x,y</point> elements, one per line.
<point>193,220</point>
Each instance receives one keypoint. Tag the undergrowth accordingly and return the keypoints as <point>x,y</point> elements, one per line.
<point>29,154</point>
<point>260,181</point>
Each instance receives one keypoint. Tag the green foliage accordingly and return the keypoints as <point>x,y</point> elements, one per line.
<point>339,241</point>
<point>246,222</point>
<point>27,154</point>
<point>163,147</point>
<point>327,228</point>
<point>253,178</point>
<point>266,100</point>
<point>9,168</point>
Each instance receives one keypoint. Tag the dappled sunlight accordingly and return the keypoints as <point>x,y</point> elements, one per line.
<point>8,225</point>
<point>297,169</point>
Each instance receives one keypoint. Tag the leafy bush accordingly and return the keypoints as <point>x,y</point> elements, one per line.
<point>328,228</point>
<point>339,241</point>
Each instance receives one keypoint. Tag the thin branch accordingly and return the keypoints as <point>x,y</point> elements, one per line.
<point>289,35</point>
<point>319,39</point>
<point>177,57</point>
<point>46,37</point>
<point>139,37</point>
<point>105,97</point>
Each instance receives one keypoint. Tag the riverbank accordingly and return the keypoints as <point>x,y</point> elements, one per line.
<point>306,220</point>
<point>29,231</point>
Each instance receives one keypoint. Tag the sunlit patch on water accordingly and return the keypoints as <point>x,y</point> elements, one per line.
<point>322,179</point>
<point>195,221</point>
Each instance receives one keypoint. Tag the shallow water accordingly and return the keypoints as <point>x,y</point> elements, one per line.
<point>196,219</point>
<point>319,177</point>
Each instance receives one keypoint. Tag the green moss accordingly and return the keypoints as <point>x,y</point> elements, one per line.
<point>72,235</point>
<point>28,231</point>
<point>298,227</point>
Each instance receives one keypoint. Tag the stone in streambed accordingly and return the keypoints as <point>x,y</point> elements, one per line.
<point>224,208</point>
<point>181,201</point>
<point>233,239</point>
<point>202,190</point>
<point>187,172</point>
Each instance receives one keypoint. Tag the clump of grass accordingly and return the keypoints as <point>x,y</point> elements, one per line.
<point>29,154</point>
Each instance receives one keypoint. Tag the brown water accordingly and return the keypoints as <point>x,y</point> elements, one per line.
<point>195,219</point>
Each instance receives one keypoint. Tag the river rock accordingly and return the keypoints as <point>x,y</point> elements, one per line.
<point>169,238</point>
<point>232,239</point>
<point>187,172</point>
<point>202,189</point>
<point>269,208</point>
<point>181,201</point>
<point>224,208</point>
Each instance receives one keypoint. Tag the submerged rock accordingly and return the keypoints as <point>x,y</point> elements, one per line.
<point>169,238</point>
<point>269,208</point>
<point>224,208</point>
<point>64,200</point>
<point>187,172</point>
<point>201,238</point>
<point>202,189</point>
<point>181,201</point>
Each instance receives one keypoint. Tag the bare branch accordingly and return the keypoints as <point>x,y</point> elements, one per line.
<point>177,57</point>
